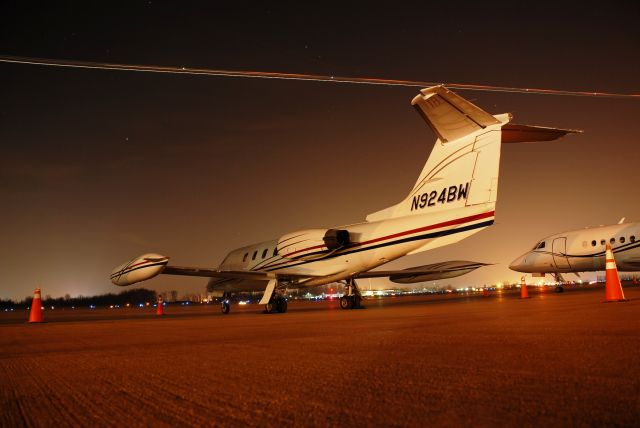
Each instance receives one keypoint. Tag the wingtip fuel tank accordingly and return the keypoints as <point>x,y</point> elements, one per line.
<point>139,269</point>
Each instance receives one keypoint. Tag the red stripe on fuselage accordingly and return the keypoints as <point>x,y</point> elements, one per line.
<point>305,249</point>
<point>138,264</point>
<point>425,228</point>
<point>407,232</point>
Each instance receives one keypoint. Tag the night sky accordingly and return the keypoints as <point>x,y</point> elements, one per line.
<point>100,166</point>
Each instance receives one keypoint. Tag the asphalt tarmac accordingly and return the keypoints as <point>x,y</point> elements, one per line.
<point>552,360</point>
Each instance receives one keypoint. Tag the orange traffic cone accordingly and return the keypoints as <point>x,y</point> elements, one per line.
<point>524,294</point>
<point>485,292</point>
<point>160,310</point>
<point>613,288</point>
<point>36,307</point>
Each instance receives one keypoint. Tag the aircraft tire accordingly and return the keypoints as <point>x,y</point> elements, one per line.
<point>282,306</point>
<point>346,302</point>
<point>357,301</point>
<point>225,307</point>
<point>559,289</point>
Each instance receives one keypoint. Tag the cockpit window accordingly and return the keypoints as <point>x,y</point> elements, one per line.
<point>275,251</point>
<point>539,245</point>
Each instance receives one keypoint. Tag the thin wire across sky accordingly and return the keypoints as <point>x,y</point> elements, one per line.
<point>303,77</point>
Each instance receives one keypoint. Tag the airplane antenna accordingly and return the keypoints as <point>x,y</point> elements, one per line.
<point>622,220</point>
<point>303,77</point>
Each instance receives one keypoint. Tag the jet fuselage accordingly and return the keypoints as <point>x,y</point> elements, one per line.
<point>583,250</point>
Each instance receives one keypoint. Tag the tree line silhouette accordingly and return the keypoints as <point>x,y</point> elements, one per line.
<point>133,297</point>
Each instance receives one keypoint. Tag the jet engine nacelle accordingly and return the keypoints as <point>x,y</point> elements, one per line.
<point>312,243</point>
<point>139,269</point>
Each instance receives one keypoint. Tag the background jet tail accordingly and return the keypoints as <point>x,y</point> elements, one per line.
<point>462,170</point>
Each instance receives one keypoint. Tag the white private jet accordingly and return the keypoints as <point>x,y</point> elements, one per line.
<point>583,250</point>
<point>453,198</point>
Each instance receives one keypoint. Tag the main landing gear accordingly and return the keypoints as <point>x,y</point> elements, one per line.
<point>352,298</point>
<point>274,299</point>
<point>276,304</point>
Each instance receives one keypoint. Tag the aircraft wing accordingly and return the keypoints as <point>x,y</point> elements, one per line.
<point>213,273</point>
<point>432,272</point>
<point>149,265</point>
<point>227,274</point>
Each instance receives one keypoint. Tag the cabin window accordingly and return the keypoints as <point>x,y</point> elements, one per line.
<point>255,253</point>
<point>275,251</point>
<point>622,240</point>
<point>264,253</point>
<point>632,238</point>
<point>602,242</point>
<point>612,241</point>
<point>244,259</point>
<point>593,243</point>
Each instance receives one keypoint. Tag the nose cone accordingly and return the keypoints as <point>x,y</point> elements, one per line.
<point>519,264</point>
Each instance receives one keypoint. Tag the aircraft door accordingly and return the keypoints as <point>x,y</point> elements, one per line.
<point>559,249</point>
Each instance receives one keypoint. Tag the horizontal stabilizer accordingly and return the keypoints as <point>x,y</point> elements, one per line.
<point>432,272</point>
<point>449,115</point>
<point>512,133</point>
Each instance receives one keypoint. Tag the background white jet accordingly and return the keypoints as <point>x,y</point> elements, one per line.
<point>583,250</point>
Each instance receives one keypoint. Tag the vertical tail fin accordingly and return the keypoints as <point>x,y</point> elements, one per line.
<point>463,166</point>
<point>462,170</point>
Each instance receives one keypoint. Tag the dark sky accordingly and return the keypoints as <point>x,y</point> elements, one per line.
<point>100,166</point>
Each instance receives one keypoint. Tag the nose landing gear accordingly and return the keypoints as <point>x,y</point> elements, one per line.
<point>560,281</point>
<point>225,307</point>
